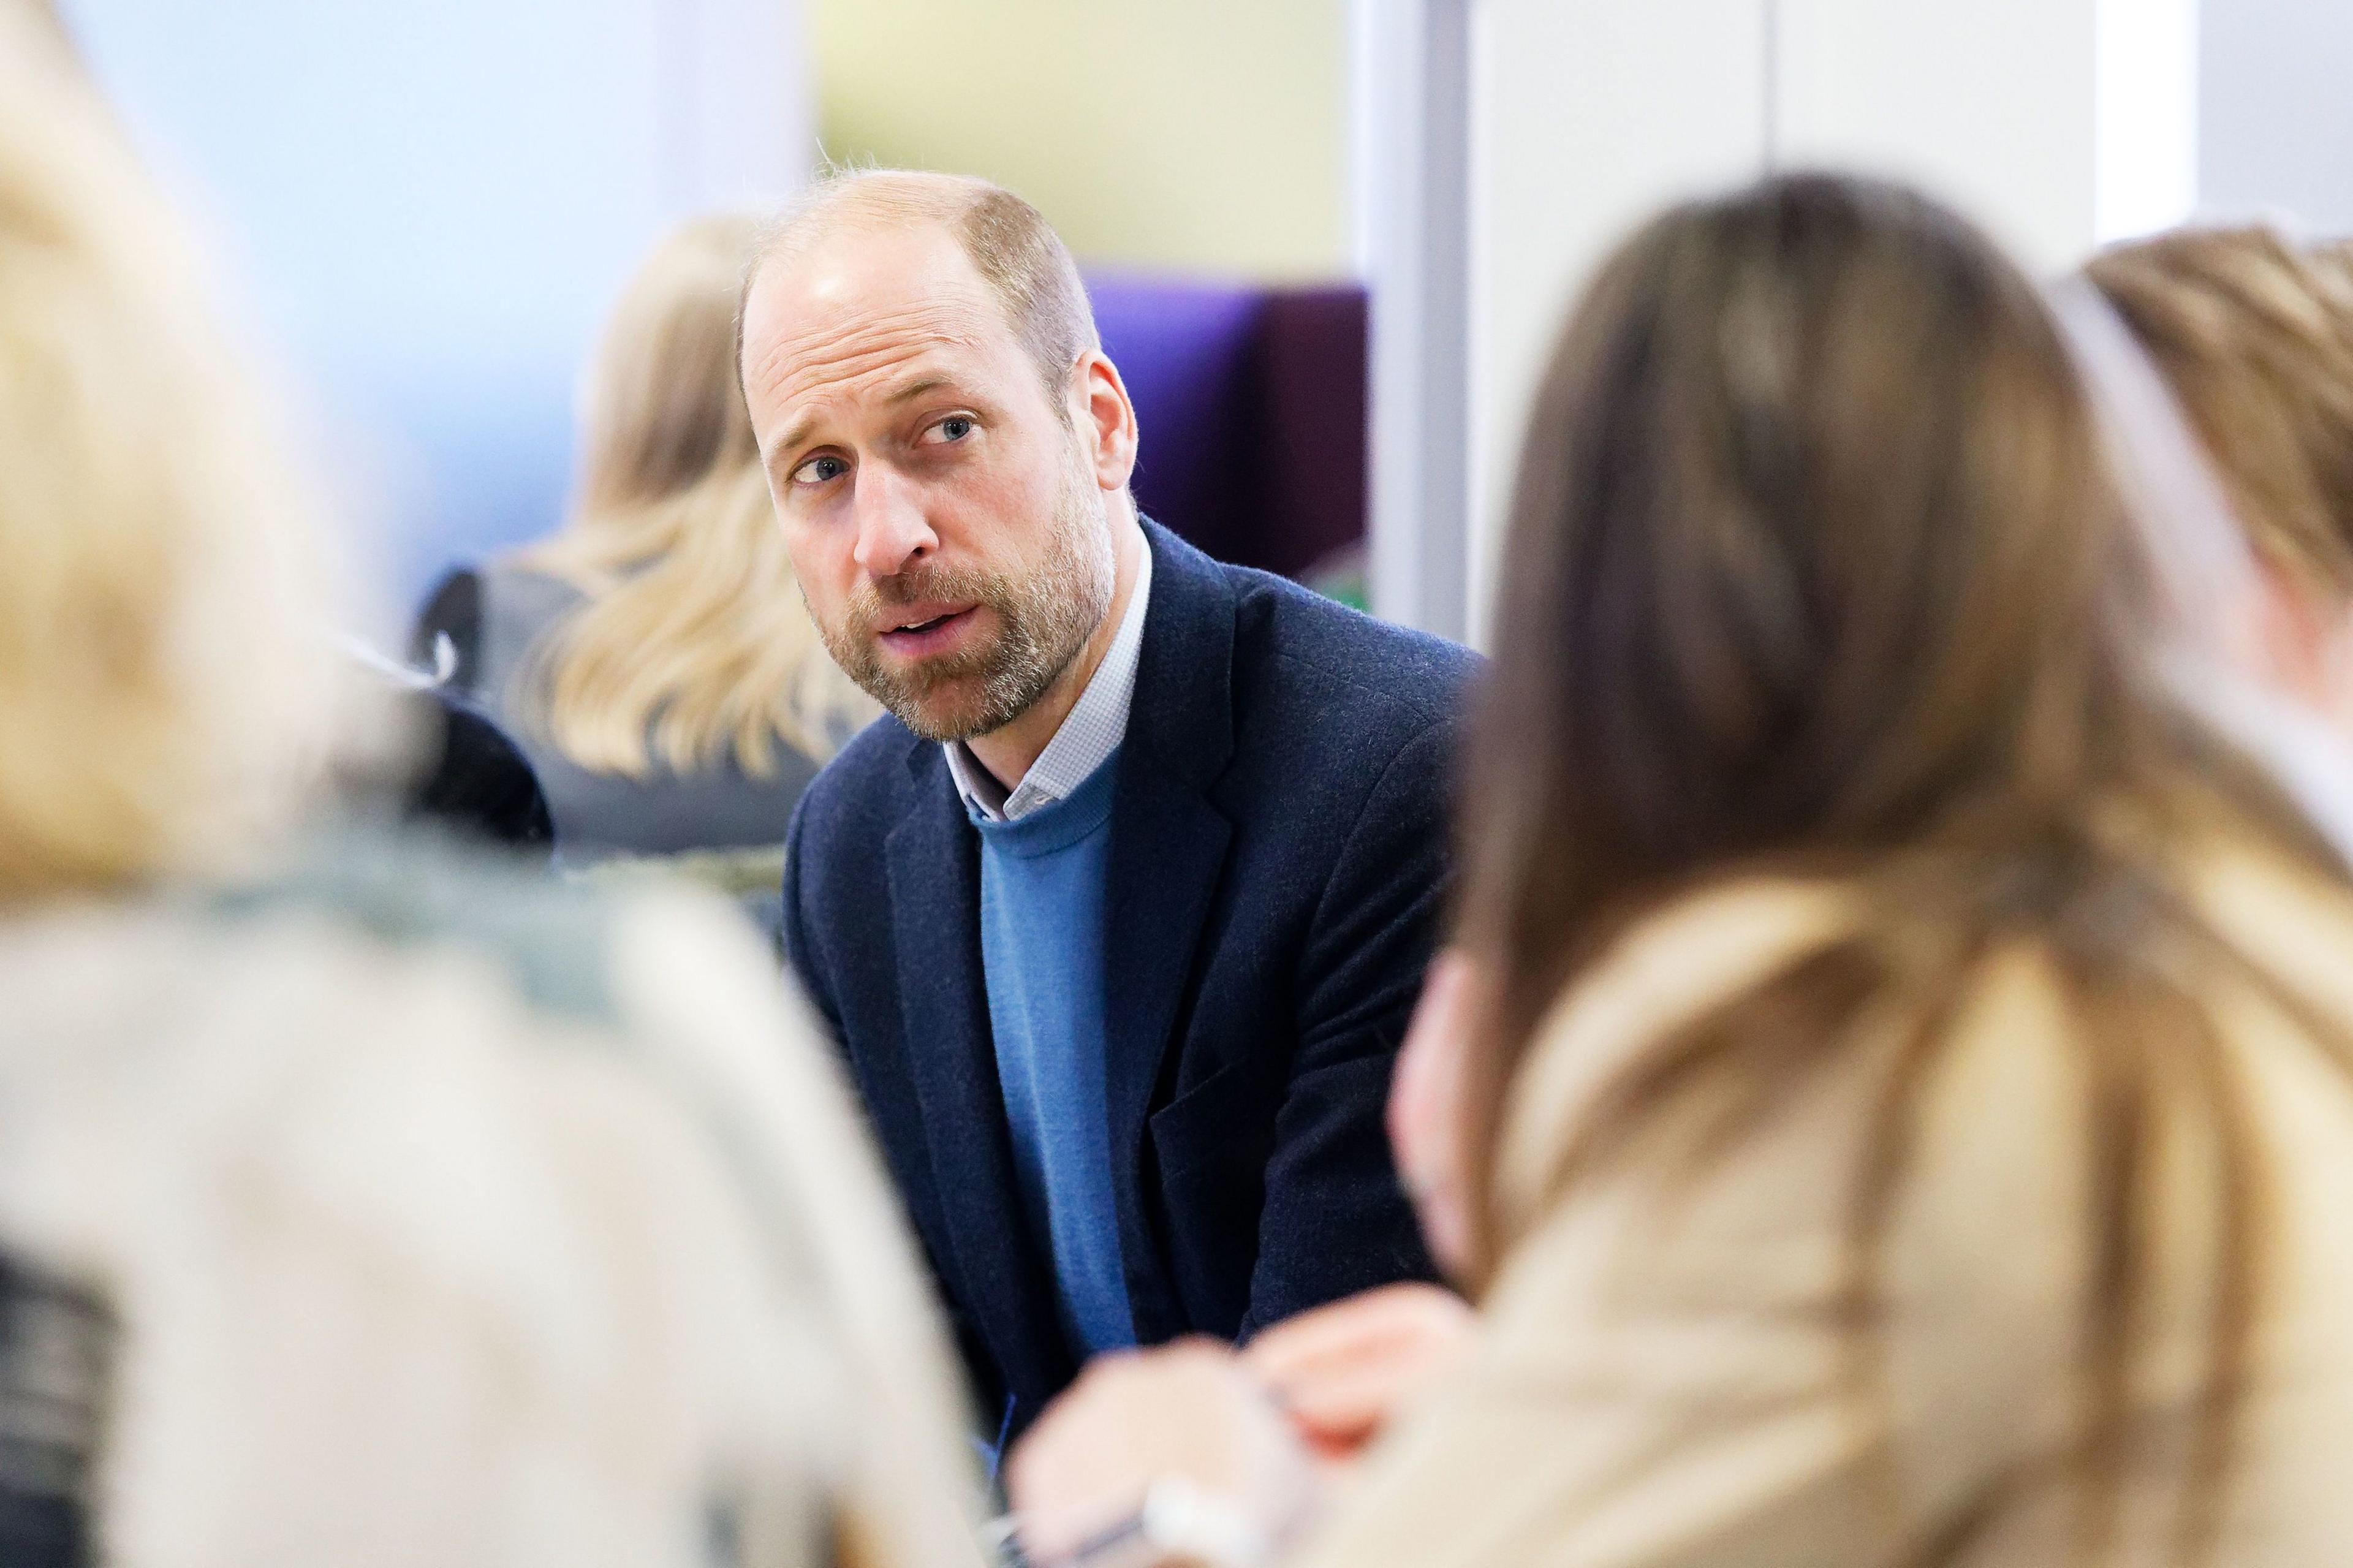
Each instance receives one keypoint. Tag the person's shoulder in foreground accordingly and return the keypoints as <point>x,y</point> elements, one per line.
<point>1693,1377</point>
<point>412,1060</point>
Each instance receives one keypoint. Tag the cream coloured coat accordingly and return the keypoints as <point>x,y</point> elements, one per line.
<point>449,1222</point>
<point>1660,1387</point>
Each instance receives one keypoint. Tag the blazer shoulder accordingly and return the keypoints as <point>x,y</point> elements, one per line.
<point>1367,666</point>
<point>863,791</point>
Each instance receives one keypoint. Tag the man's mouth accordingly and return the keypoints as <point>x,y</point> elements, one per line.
<point>923,629</point>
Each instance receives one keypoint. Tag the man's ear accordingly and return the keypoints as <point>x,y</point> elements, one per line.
<point>1106,420</point>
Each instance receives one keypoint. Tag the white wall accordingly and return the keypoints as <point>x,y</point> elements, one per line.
<point>2275,103</point>
<point>2147,88</point>
<point>1589,114</point>
<point>1988,103</point>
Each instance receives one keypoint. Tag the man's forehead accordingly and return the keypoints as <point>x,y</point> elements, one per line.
<point>823,321</point>
<point>861,367</point>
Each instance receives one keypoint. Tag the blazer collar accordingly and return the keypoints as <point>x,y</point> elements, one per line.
<point>1169,845</point>
<point>1183,710</point>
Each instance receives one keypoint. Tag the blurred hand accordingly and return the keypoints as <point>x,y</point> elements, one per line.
<point>1190,1410</point>
<point>1341,1372</point>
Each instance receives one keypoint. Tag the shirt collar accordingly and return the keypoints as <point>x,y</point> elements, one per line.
<point>1090,733</point>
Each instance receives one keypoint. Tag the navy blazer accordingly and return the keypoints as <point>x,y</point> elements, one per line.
<point>1277,869</point>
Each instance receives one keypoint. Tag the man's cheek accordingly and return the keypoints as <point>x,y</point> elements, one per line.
<point>986,501</point>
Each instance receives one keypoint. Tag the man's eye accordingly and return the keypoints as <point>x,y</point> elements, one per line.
<point>954,427</point>
<point>820,469</point>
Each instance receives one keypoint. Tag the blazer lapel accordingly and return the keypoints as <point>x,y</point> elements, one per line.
<point>1168,846</point>
<point>935,878</point>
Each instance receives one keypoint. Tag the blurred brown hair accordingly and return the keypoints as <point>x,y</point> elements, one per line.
<point>2255,335</point>
<point>1815,568</point>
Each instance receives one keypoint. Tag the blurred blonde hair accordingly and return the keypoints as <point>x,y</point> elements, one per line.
<point>694,641</point>
<point>158,700</point>
<point>2255,334</point>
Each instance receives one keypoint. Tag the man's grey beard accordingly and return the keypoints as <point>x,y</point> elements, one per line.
<point>1042,622</point>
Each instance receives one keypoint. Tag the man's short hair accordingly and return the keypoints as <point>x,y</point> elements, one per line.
<point>1009,242</point>
<point>2256,333</point>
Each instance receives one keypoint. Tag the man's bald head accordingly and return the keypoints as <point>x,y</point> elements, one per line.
<point>1013,248</point>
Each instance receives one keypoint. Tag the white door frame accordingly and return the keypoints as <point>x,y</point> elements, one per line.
<point>1412,142</point>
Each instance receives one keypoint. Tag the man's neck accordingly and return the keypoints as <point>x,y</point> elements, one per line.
<point>1008,752</point>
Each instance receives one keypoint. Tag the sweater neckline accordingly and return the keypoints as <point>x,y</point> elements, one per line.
<point>1058,825</point>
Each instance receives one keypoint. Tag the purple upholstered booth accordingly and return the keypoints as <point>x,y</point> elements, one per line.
<point>1251,404</point>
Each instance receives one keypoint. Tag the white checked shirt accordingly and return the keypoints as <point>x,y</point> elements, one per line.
<point>1091,731</point>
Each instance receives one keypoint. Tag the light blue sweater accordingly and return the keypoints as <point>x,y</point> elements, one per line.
<point>1041,952</point>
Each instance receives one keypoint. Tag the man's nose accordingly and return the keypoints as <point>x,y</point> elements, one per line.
<point>893,532</point>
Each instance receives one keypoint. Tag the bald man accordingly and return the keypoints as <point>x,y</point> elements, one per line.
<point>1120,914</point>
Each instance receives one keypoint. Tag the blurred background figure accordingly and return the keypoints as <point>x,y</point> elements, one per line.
<point>1904,1073</point>
<point>361,1201</point>
<point>654,657</point>
<point>2253,330</point>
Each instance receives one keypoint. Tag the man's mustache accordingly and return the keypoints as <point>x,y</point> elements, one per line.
<point>873,599</point>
